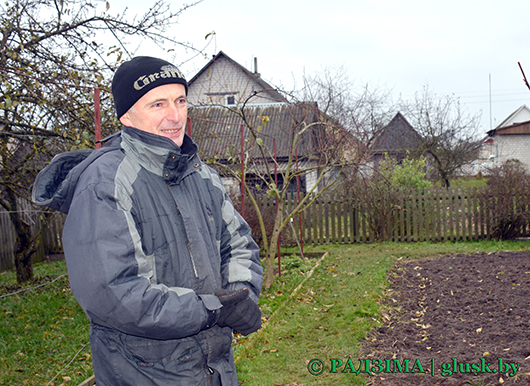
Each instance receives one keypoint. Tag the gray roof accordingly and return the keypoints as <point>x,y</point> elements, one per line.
<point>396,137</point>
<point>216,129</point>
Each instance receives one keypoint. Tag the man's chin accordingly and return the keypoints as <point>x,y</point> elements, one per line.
<point>177,140</point>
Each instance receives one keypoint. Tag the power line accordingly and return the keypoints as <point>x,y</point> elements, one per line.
<point>500,100</point>
<point>521,94</point>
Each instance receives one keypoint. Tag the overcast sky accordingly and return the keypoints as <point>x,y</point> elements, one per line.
<point>451,46</point>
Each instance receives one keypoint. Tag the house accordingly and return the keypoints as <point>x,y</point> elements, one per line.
<point>396,139</point>
<point>218,94</point>
<point>510,140</point>
<point>223,82</point>
<point>220,133</point>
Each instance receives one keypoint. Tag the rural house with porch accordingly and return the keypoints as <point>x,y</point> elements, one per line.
<point>217,96</point>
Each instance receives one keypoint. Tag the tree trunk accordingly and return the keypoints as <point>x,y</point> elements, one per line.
<point>272,248</point>
<point>24,249</point>
<point>25,243</point>
<point>268,263</point>
<point>24,267</point>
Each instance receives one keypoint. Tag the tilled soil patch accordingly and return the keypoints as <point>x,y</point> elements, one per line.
<point>460,320</point>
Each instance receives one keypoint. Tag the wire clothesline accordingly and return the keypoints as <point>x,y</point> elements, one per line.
<point>26,211</point>
<point>69,363</point>
<point>33,288</point>
<point>78,352</point>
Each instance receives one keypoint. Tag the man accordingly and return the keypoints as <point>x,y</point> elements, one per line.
<point>158,258</point>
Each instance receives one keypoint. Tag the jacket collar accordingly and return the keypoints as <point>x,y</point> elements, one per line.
<point>158,154</point>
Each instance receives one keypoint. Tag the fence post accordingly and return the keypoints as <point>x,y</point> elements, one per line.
<point>419,205</point>
<point>469,214</point>
<point>97,117</point>
<point>445,214</point>
<point>333,219</point>
<point>455,195</point>
<point>242,171</point>
<point>299,213</point>
<point>438,213</point>
<point>276,182</point>
<point>320,215</point>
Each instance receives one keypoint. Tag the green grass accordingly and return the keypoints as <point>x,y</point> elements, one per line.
<point>333,310</point>
<point>42,329</point>
<point>466,182</point>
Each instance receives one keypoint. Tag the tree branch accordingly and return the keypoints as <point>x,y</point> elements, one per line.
<point>524,76</point>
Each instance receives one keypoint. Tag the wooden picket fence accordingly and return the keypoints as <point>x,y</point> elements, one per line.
<point>435,214</point>
<point>31,215</point>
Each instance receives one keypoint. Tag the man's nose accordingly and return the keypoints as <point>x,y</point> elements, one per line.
<point>174,114</point>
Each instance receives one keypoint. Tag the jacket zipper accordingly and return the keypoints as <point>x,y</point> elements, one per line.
<point>188,244</point>
<point>192,261</point>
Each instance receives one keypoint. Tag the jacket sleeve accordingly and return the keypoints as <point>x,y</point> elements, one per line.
<point>113,279</point>
<point>240,263</point>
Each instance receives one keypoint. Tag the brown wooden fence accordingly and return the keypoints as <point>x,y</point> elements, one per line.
<point>52,238</point>
<point>435,214</point>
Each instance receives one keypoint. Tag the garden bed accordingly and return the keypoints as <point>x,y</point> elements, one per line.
<point>460,320</point>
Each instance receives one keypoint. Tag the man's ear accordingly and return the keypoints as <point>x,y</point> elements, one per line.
<point>125,119</point>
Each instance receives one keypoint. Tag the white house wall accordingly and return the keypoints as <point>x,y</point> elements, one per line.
<point>508,147</point>
<point>311,180</point>
<point>221,80</point>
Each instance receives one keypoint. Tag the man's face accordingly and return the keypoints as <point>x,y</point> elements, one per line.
<point>161,111</point>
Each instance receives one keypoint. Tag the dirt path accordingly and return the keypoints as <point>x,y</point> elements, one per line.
<point>463,320</point>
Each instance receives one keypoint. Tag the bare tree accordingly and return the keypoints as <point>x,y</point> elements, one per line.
<point>449,135</point>
<point>378,195</point>
<point>506,197</point>
<point>362,110</point>
<point>53,54</point>
<point>524,76</point>
<point>335,124</point>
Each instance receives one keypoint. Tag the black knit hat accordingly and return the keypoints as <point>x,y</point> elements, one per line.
<point>133,79</point>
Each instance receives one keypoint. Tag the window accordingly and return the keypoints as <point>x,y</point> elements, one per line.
<point>231,100</point>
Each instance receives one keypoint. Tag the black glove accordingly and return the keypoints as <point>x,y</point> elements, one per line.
<point>239,311</point>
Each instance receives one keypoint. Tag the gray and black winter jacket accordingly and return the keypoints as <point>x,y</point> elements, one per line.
<point>150,235</point>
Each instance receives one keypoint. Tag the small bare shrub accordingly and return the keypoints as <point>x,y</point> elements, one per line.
<point>378,196</point>
<point>507,199</point>
<point>268,212</point>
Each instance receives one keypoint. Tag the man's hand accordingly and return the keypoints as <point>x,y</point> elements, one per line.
<point>239,311</point>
